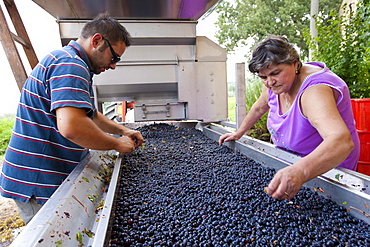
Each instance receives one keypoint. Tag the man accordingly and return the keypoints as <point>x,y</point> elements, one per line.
<point>57,121</point>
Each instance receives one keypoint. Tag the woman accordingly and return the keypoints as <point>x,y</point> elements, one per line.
<point>310,114</point>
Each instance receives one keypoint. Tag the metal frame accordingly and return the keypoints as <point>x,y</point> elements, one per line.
<point>51,219</point>
<point>74,207</point>
<point>7,39</point>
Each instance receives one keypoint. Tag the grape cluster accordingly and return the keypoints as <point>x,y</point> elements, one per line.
<point>183,189</point>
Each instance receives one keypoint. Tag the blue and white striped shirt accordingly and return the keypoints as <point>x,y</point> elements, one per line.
<point>38,157</point>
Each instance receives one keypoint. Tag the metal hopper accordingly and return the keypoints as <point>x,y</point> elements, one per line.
<point>169,72</point>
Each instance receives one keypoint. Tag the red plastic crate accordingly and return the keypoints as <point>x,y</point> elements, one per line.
<point>363,167</point>
<point>354,109</point>
<point>361,112</point>
<point>364,137</point>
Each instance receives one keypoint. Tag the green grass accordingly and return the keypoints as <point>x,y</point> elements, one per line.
<point>232,109</point>
<point>253,91</point>
<point>6,126</point>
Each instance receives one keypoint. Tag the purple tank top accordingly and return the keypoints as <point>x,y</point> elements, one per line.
<point>294,133</point>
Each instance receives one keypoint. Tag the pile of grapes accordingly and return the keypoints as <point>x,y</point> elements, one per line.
<point>183,189</point>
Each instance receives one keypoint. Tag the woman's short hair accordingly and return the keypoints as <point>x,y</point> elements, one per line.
<point>110,28</point>
<point>273,50</point>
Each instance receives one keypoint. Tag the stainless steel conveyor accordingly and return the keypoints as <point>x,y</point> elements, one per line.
<point>70,212</point>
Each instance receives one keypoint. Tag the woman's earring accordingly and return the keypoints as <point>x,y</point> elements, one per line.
<point>297,71</point>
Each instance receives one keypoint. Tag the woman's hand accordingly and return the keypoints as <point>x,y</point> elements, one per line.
<point>228,137</point>
<point>286,183</point>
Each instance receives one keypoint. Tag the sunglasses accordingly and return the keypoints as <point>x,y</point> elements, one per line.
<point>115,58</point>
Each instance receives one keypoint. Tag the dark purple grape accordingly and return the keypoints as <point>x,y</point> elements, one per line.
<point>183,189</point>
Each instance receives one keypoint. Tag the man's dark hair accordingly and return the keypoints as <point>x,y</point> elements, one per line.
<point>110,28</point>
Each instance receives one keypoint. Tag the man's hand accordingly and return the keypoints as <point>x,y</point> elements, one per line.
<point>127,145</point>
<point>136,137</point>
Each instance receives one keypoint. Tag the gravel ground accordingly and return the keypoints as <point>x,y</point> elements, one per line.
<point>7,206</point>
<point>8,209</point>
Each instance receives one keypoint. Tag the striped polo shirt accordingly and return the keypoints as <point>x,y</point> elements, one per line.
<point>38,157</point>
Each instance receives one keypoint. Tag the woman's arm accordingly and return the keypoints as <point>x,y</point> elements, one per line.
<point>257,110</point>
<point>318,104</point>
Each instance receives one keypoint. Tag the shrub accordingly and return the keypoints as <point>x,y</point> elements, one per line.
<point>6,126</point>
<point>344,45</point>
<point>253,91</point>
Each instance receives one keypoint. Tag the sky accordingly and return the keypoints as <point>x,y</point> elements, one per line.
<point>43,32</point>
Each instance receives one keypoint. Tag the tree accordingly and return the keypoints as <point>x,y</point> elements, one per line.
<point>241,21</point>
<point>344,45</point>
